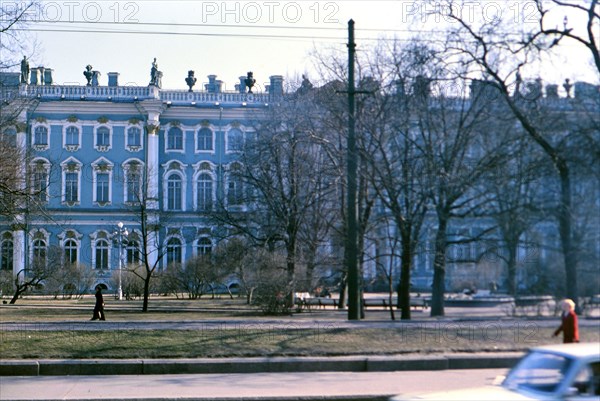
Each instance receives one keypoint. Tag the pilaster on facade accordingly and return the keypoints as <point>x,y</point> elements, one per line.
<point>154,109</point>
<point>19,250</point>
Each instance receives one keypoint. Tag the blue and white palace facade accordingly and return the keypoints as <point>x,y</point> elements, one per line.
<point>98,152</point>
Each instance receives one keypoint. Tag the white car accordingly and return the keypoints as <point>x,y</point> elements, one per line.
<point>553,372</point>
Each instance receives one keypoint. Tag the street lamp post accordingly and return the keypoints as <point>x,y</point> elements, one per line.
<point>121,231</point>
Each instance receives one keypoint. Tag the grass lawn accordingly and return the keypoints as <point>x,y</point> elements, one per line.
<point>255,335</point>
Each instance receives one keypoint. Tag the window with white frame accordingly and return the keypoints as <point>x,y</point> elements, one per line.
<point>204,191</point>
<point>204,140</point>
<point>174,184</point>
<point>70,244</point>
<point>102,178</point>
<point>70,247</point>
<point>174,192</point>
<point>174,251</point>
<point>71,181</point>
<point>40,137</point>
<point>101,250</point>
<point>235,186</point>
<point>175,139</point>
<point>133,181</point>
<point>204,246</point>
<point>235,140</point>
<point>39,253</point>
<point>71,187</point>
<point>134,139</point>
<point>101,259</point>
<point>133,251</point>
<point>72,138</point>
<point>7,250</point>
<point>40,173</point>
<point>102,186</point>
<point>102,141</point>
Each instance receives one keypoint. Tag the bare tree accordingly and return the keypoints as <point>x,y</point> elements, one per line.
<point>516,203</point>
<point>449,128</point>
<point>278,182</point>
<point>45,263</point>
<point>481,48</point>
<point>395,159</point>
<point>144,243</point>
<point>14,18</point>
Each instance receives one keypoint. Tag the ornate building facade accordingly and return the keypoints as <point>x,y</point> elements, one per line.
<point>98,153</point>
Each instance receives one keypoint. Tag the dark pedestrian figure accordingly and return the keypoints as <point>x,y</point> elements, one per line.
<point>99,307</point>
<point>569,325</point>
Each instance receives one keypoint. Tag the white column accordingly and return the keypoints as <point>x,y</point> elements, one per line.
<point>154,109</point>
<point>19,253</point>
<point>152,167</point>
<point>19,235</point>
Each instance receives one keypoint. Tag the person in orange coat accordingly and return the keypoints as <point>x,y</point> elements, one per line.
<point>569,325</point>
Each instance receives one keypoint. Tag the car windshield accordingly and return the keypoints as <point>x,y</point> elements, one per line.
<point>538,371</point>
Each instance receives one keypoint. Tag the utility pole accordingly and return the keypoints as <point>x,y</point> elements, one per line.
<point>351,251</point>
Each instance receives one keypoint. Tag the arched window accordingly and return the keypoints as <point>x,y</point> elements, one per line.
<point>204,246</point>
<point>101,254</point>
<point>174,192</point>
<point>174,251</point>
<point>235,140</point>
<point>205,192</point>
<point>134,137</point>
<point>133,252</point>
<point>40,136</point>
<point>72,136</point>
<point>6,254</point>
<point>175,139</point>
<point>70,251</point>
<point>39,253</point>
<point>102,137</point>
<point>205,139</point>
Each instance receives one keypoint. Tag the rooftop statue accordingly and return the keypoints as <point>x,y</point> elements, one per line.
<point>190,80</point>
<point>154,73</point>
<point>250,81</point>
<point>24,70</point>
<point>88,74</point>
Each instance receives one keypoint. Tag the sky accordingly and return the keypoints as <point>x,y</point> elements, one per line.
<point>230,38</point>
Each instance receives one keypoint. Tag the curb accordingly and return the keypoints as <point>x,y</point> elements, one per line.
<point>376,363</point>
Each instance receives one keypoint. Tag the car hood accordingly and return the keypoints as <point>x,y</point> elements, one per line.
<point>487,393</point>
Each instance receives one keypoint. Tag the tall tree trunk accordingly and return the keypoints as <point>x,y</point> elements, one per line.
<point>343,285</point>
<point>512,269</point>
<point>566,235</point>
<point>391,297</point>
<point>439,268</point>
<point>146,292</point>
<point>404,287</point>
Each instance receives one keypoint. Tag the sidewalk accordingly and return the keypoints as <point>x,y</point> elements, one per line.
<point>361,363</point>
<point>346,386</point>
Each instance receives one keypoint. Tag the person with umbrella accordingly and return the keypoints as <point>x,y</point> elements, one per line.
<point>99,306</point>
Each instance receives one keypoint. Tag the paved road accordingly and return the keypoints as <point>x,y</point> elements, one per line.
<point>255,386</point>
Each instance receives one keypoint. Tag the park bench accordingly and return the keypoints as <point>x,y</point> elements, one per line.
<point>308,302</point>
<point>415,303</point>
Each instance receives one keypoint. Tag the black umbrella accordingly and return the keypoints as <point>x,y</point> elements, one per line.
<point>102,286</point>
